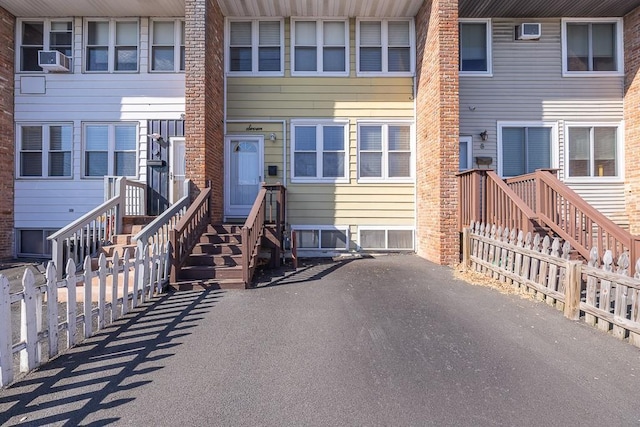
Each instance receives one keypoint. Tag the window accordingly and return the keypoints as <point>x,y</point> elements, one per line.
<point>385,238</point>
<point>385,47</point>
<point>319,151</point>
<point>44,150</point>
<point>255,46</point>
<point>384,151</point>
<point>593,151</point>
<point>111,46</point>
<point>167,45</point>
<point>320,47</point>
<point>33,243</point>
<point>524,148</point>
<point>465,159</point>
<point>592,47</point>
<point>110,149</point>
<point>475,46</point>
<point>43,35</point>
<point>321,237</point>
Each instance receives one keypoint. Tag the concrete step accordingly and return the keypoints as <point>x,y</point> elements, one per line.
<point>214,260</point>
<point>204,272</point>
<point>201,285</point>
<point>218,248</point>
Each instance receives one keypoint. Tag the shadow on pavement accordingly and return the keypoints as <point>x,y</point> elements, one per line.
<point>100,372</point>
<point>311,269</point>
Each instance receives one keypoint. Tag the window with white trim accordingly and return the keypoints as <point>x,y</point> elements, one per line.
<point>319,151</point>
<point>592,47</point>
<point>48,34</point>
<point>523,148</point>
<point>110,149</point>
<point>255,47</point>
<point>385,47</point>
<point>321,237</point>
<point>384,151</point>
<point>475,46</point>
<point>592,151</point>
<point>320,47</point>
<point>33,242</point>
<point>111,45</point>
<point>167,45</point>
<point>386,238</point>
<point>44,150</point>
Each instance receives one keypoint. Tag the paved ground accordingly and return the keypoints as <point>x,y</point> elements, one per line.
<point>386,341</point>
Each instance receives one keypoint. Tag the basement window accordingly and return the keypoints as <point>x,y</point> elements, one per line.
<point>386,238</point>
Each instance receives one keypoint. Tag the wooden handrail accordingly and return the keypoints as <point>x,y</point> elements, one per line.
<point>186,233</point>
<point>471,206</point>
<point>252,232</point>
<point>505,207</point>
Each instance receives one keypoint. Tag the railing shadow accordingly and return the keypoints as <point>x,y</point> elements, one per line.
<point>309,270</point>
<point>89,377</point>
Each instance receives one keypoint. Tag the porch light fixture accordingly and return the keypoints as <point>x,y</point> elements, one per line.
<point>484,135</point>
<point>272,137</point>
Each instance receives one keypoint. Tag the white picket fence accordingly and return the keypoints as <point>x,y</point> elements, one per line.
<point>132,281</point>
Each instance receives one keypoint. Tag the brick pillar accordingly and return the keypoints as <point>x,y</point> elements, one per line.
<point>632,118</point>
<point>7,137</point>
<point>204,93</point>
<point>437,131</point>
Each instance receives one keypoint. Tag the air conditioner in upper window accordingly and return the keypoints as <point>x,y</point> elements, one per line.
<point>52,60</point>
<point>529,31</point>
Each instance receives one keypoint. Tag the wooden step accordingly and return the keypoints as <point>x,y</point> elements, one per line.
<point>201,285</point>
<point>214,260</point>
<point>221,238</point>
<point>121,239</point>
<point>205,272</point>
<point>218,248</point>
<point>224,229</point>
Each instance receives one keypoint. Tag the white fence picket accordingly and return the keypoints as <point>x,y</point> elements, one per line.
<point>126,267</point>
<point>102,290</point>
<point>6,354</point>
<point>88,300</point>
<point>115,279</point>
<point>52,308</point>
<point>29,356</point>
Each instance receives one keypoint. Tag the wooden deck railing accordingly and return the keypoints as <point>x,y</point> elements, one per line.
<point>135,194</point>
<point>186,233</point>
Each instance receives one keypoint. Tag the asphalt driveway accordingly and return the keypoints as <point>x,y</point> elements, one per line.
<point>392,340</point>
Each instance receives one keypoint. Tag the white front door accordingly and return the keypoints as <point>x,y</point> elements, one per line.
<point>177,170</point>
<point>244,166</point>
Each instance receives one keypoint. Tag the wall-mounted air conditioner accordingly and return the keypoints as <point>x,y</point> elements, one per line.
<point>52,60</point>
<point>529,31</point>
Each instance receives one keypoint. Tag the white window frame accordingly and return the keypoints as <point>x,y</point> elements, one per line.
<point>110,147</point>
<point>46,150</point>
<point>319,124</point>
<point>386,229</point>
<point>111,47</point>
<point>178,32</point>
<point>46,232</point>
<point>489,48</point>
<point>255,48</point>
<point>385,151</point>
<point>320,229</point>
<point>555,151</point>
<point>384,26</point>
<point>619,48</point>
<point>46,22</point>
<point>320,47</point>
<point>619,153</point>
<point>469,141</point>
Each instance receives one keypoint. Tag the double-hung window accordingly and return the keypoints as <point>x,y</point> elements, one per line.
<point>255,47</point>
<point>320,47</point>
<point>43,35</point>
<point>319,151</point>
<point>384,151</point>
<point>111,45</point>
<point>167,45</point>
<point>110,149</point>
<point>385,47</point>
<point>593,151</point>
<point>523,148</point>
<point>475,46</point>
<point>44,150</point>
<point>592,47</point>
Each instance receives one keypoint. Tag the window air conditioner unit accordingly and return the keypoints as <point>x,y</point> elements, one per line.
<point>529,31</point>
<point>52,60</point>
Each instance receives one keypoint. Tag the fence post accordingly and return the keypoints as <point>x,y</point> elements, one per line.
<point>52,308</point>
<point>466,248</point>
<point>572,286</point>
<point>6,352</point>
<point>30,356</point>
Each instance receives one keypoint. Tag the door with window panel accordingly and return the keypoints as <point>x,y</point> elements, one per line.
<point>525,149</point>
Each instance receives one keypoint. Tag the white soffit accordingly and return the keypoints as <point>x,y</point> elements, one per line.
<point>340,8</point>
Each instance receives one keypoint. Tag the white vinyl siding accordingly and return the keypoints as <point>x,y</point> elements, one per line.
<point>592,47</point>
<point>111,45</point>
<point>255,47</point>
<point>385,48</point>
<point>475,47</point>
<point>167,45</point>
<point>44,150</point>
<point>320,47</point>
<point>36,35</point>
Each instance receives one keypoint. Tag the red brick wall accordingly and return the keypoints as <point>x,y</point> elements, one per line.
<point>632,117</point>
<point>204,92</point>
<point>437,131</point>
<point>7,139</point>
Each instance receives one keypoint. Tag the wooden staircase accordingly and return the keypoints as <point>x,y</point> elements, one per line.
<point>131,225</point>
<point>215,262</point>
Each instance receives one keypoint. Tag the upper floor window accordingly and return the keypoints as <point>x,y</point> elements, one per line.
<point>44,150</point>
<point>475,46</point>
<point>110,149</point>
<point>593,151</point>
<point>592,47</point>
<point>43,35</point>
<point>320,47</point>
<point>255,46</point>
<point>385,47</point>
<point>384,151</point>
<point>167,45</point>
<point>319,151</point>
<point>111,45</point>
